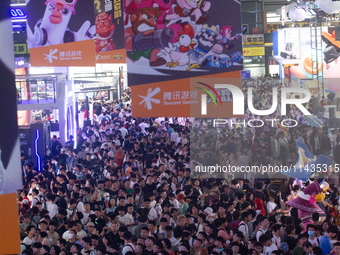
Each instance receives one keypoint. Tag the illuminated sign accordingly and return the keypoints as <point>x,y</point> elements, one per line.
<point>17,13</point>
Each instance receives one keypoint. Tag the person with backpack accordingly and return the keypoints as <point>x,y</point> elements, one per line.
<point>128,246</point>
<point>236,220</point>
<point>263,229</point>
<point>35,198</point>
<point>243,227</point>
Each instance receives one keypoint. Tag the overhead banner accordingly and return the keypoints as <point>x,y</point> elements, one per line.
<point>10,165</point>
<point>181,40</point>
<point>61,33</point>
<point>178,100</point>
<point>109,43</point>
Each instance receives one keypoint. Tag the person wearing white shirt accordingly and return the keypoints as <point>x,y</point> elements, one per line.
<point>35,198</point>
<point>174,136</point>
<point>173,200</point>
<point>268,246</point>
<point>152,212</point>
<point>271,205</point>
<point>86,213</point>
<point>29,240</point>
<point>143,125</point>
<point>169,235</point>
<point>123,131</point>
<point>128,246</point>
<point>262,230</point>
<point>311,236</point>
<point>52,208</point>
<point>182,140</point>
<point>277,233</point>
<point>128,218</point>
<point>243,227</point>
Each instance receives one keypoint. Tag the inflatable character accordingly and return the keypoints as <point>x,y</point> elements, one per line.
<point>306,202</point>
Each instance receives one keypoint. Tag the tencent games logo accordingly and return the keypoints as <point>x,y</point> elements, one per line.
<point>204,96</point>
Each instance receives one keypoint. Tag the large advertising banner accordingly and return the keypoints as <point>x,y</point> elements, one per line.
<point>10,167</point>
<point>109,43</point>
<point>177,40</point>
<point>61,32</point>
<point>183,98</point>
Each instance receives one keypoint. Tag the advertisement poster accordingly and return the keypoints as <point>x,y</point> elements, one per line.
<point>109,43</point>
<point>10,167</point>
<point>61,33</point>
<point>181,39</point>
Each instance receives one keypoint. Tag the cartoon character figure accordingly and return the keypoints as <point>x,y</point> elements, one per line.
<point>306,202</point>
<point>225,38</point>
<point>331,57</point>
<point>217,61</point>
<point>305,68</point>
<point>105,29</point>
<point>187,8</point>
<point>165,8</point>
<point>143,39</point>
<point>206,40</point>
<point>236,57</point>
<point>52,28</point>
<point>179,55</point>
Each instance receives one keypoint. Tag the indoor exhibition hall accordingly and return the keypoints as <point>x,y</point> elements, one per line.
<point>170,127</point>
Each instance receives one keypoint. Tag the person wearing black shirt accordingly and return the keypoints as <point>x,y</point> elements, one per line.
<point>137,150</point>
<point>114,232</point>
<point>178,230</point>
<point>148,158</point>
<point>149,186</point>
<point>56,146</point>
<point>62,203</point>
<point>238,237</point>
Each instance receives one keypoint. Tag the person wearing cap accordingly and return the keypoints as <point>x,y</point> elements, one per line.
<point>89,228</point>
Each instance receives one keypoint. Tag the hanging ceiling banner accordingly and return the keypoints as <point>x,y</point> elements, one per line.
<point>168,42</point>
<point>10,165</point>
<point>109,42</point>
<point>61,32</point>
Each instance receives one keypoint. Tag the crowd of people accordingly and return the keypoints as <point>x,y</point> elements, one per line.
<point>128,186</point>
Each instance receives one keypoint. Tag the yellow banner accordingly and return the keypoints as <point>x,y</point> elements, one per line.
<point>20,49</point>
<point>253,51</point>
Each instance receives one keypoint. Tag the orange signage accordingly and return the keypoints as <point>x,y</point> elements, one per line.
<point>179,98</point>
<point>9,231</point>
<point>80,53</point>
<point>114,56</point>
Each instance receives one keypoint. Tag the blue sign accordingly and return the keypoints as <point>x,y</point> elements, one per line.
<point>245,74</point>
<point>17,13</point>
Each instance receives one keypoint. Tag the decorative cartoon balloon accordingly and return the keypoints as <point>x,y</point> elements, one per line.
<point>328,6</point>
<point>306,202</point>
<point>305,68</point>
<point>296,15</point>
<point>306,163</point>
